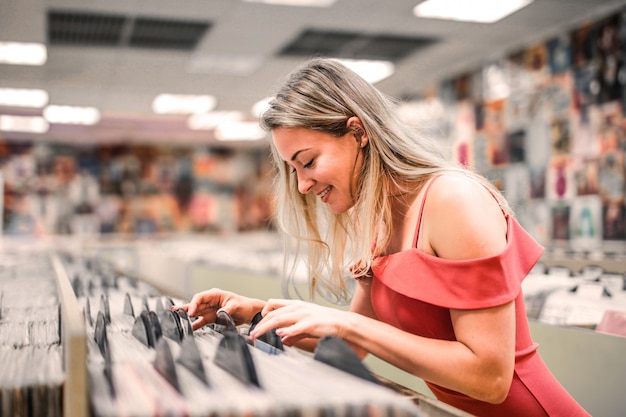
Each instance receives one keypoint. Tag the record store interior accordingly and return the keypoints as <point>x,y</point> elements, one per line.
<point>135,174</point>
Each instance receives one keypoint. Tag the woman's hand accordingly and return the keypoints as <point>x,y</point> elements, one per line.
<point>206,304</point>
<point>295,320</point>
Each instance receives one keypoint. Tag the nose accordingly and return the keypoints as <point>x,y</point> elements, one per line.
<point>304,183</point>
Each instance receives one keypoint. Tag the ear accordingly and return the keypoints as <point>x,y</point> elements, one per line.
<point>355,125</point>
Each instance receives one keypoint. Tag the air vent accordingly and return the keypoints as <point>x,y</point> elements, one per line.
<point>166,34</point>
<point>354,45</point>
<point>93,29</point>
<point>84,29</point>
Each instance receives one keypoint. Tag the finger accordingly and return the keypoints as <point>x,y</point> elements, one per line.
<point>292,340</point>
<point>274,304</point>
<point>276,319</point>
<point>184,307</point>
<point>199,301</point>
<point>201,322</point>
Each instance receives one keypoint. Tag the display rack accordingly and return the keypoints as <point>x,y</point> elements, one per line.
<point>75,343</point>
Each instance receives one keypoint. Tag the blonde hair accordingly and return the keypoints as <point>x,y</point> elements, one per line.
<point>322,95</point>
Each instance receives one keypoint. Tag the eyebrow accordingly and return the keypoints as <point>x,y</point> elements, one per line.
<point>295,155</point>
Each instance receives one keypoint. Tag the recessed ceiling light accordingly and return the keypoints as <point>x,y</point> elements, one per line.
<point>209,121</point>
<point>260,106</point>
<point>72,115</point>
<point>299,3</point>
<point>481,11</point>
<point>241,65</point>
<point>371,70</point>
<point>23,53</point>
<point>27,124</point>
<point>239,131</point>
<point>183,104</point>
<point>23,97</point>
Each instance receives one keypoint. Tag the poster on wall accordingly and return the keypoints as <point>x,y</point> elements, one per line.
<point>537,137</point>
<point>586,222</point>
<point>611,132</point>
<point>559,136</point>
<point>560,179</point>
<point>465,131</point>
<point>495,132</point>
<point>587,176</point>
<point>559,54</point>
<point>536,218</point>
<point>614,220</point>
<point>517,145</point>
<point>537,182</point>
<point>516,184</point>
<point>585,136</point>
<point>609,60</point>
<point>560,221</point>
<point>611,176</point>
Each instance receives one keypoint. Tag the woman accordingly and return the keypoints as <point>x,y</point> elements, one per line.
<point>436,252</point>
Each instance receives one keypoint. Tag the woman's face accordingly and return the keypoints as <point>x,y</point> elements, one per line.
<point>324,164</point>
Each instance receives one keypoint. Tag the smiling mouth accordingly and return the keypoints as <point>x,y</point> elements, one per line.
<point>323,193</point>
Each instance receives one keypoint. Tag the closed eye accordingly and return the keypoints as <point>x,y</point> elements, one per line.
<point>307,165</point>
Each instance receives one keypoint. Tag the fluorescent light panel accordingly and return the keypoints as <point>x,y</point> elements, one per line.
<point>297,3</point>
<point>239,131</point>
<point>260,106</point>
<point>72,115</point>
<point>371,70</point>
<point>183,104</point>
<point>481,11</point>
<point>26,124</point>
<point>241,65</point>
<point>23,97</point>
<point>210,121</point>
<point>23,53</point>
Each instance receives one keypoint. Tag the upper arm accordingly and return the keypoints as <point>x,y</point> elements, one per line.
<point>489,334</point>
<point>361,300</point>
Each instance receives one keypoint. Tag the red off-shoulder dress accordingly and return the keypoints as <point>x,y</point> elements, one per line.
<point>415,291</point>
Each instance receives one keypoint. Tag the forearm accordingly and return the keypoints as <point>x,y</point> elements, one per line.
<point>450,364</point>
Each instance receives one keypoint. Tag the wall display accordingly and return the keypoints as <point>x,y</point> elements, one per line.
<point>556,108</point>
<point>56,189</point>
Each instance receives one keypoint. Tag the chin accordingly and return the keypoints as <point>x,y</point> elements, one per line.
<point>340,209</point>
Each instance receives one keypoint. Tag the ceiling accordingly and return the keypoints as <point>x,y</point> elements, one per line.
<point>125,52</point>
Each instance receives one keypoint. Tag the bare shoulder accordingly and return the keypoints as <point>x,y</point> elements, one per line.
<point>460,192</point>
<point>462,219</point>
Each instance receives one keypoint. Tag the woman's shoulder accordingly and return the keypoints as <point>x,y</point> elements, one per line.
<point>458,188</point>
<point>462,216</point>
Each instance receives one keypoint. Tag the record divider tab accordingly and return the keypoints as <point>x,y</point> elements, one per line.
<point>74,344</point>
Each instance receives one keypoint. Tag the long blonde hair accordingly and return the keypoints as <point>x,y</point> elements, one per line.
<point>322,95</point>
